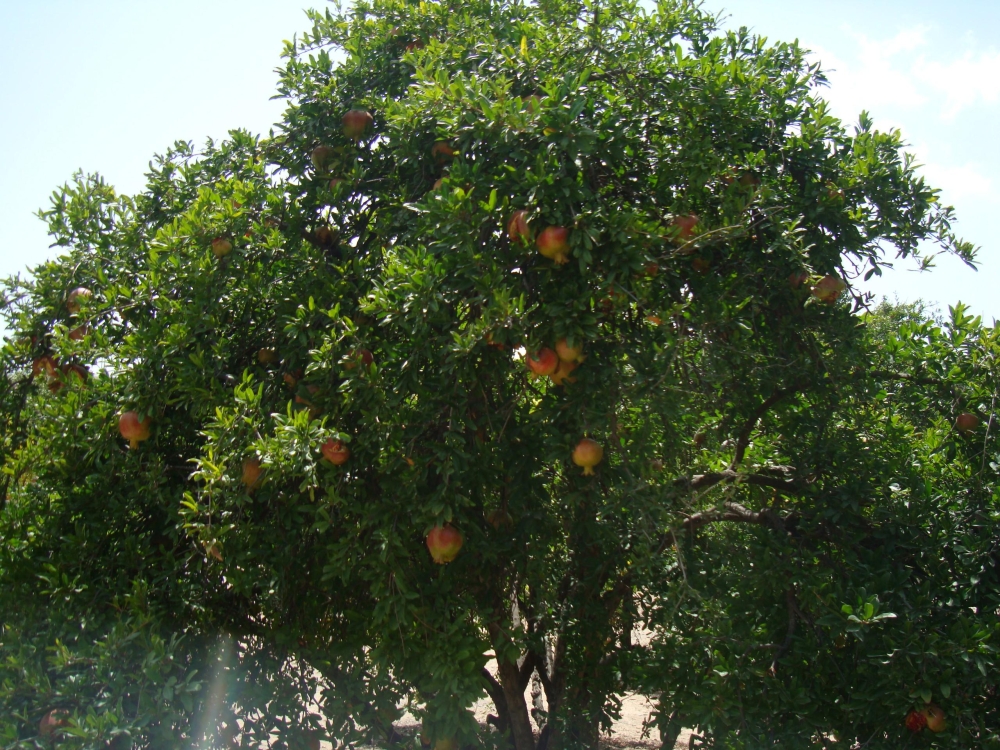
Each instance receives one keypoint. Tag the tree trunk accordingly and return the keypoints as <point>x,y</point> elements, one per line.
<point>517,707</point>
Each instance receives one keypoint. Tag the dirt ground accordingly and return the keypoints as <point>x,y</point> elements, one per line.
<point>626,733</point>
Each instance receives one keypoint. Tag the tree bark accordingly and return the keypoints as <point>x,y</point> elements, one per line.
<point>517,707</point>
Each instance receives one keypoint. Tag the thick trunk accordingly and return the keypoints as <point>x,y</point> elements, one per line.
<point>517,707</point>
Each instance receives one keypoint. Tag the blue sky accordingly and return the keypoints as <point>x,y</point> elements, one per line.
<point>103,85</point>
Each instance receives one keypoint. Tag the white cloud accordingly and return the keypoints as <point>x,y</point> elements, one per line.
<point>906,72</point>
<point>963,82</point>
<point>960,183</point>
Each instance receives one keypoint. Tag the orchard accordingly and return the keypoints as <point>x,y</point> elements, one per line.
<point>532,334</point>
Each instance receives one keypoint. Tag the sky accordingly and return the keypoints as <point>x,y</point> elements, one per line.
<point>104,85</point>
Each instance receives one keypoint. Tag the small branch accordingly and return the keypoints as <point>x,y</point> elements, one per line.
<point>792,619</point>
<point>743,440</point>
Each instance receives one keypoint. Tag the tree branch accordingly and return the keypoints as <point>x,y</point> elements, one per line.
<point>736,513</point>
<point>743,439</point>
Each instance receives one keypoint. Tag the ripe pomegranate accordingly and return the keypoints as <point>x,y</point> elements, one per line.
<point>654,319</point>
<point>517,227</point>
<point>292,378</point>
<point>133,429</point>
<point>267,356</point>
<point>553,243</point>
<point>587,454</point>
<point>828,289</point>
<point>562,373</point>
<point>335,452</point>
<point>684,228</point>
<point>651,269</point>
<point>438,183</point>
<point>568,353</point>
<point>415,45</point>
<point>966,423</point>
<point>442,152</point>
<point>543,362</point>
<point>356,122</point>
<point>444,542</point>
<point>915,721</point>
<point>336,182</point>
<point>221,247</point>
<point>252,472</point>
<point>935,718</point>
<point>77,298</point>
<point>79,333</point>
<point>52,722</point>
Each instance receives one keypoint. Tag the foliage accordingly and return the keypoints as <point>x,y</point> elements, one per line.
<point>783,508</point>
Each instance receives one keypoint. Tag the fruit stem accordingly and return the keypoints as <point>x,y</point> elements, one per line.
<point>588,471</point>
<point>133,444</point>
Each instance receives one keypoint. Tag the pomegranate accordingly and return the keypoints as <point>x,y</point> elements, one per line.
<point>438,183</point>
<point>797,279</point>
<point>444,542</point>
<point>569,353</point>
<point>335,182</point>
<point>79,333</point>
<point>335,452</point>
<point>935,717</point>
<point>562,373</point>
<point>543,362</point>
<point>915,721</point>
<point>415,45</point>
<point>829,288</point>
<point>587,454</point>
<point>553,243</point>
<point>442,152</point>
<point>654,319</point>
<point>325,235</point>
<point>684,228</point>
<point>358,357</point>
<point>292,378</point>
<point>77,298</point>
<point>356,123</point>
<point>133,429</point>
<point>321,157</point>
<point>221,247</point>
<point>966,423</point>
<point>52,722</point>
<point>252,473</point>
<point>517,227</point>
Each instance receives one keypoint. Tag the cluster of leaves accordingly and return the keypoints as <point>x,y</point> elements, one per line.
<point>779,478</point>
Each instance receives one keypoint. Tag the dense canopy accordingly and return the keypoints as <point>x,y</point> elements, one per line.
<point>531,334</point>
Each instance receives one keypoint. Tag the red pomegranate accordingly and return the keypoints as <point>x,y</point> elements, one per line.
<point>133,429</point>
